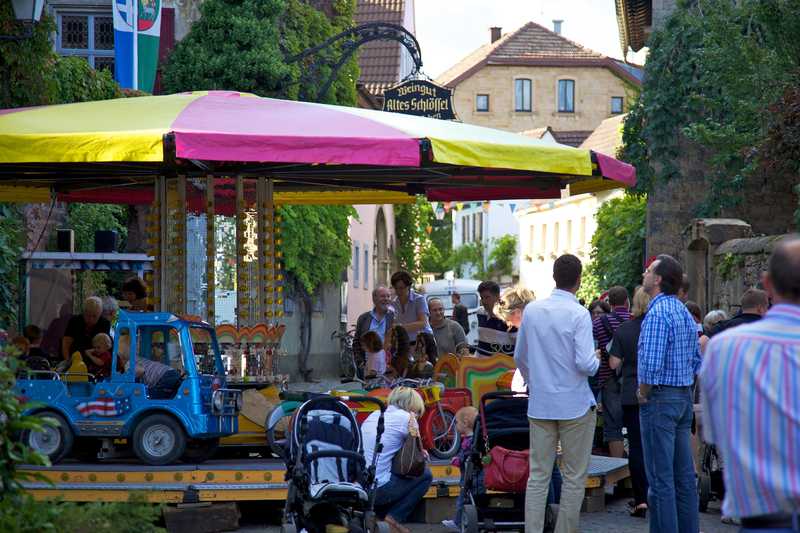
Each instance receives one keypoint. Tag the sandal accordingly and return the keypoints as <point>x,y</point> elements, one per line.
<point>640,511</point>
<point>395,526</point>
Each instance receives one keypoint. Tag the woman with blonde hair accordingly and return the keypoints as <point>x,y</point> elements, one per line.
<point>509,308</point>
<point>399,495</point>
<point>622,358</point>
<point>511,304</point>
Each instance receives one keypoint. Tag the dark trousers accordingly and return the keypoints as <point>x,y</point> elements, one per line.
<point>166,386</point>
<point>630,417</point>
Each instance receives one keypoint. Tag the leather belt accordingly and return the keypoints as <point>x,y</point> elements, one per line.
<point>775,520</point>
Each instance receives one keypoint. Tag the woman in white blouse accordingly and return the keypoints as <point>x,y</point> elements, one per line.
<point>396,495</point>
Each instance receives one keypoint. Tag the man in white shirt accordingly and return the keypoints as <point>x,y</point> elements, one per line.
<point>555,354</point>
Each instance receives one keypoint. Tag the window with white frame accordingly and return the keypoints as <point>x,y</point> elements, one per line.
<point>616,105</point>
<point>543,242</point>
<point>566,96</point>
<point>482,103</point>
<point>464,230</point>
<point>86,34</point>
<point>522,94</point>
<point>556,232</point>
<point>356,263</point>
<point>532,239</point>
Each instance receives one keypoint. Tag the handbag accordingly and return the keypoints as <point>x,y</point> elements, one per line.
<point>504,470</point>
<point>410,459</point>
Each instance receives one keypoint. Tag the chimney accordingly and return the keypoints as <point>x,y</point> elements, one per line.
<point>497,32</point>
<point>557,26</point>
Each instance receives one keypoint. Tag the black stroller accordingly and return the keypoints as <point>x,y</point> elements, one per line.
<point>330,486</point>
<point>506,415</point>
<point>710,484</point>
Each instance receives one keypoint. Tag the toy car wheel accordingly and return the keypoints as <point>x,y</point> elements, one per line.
<point>158,440</point>
<point>200,450</point>
<point>54,440</point>
<point>446,439</point>
<point>469,519</point>
<point>704,492</point>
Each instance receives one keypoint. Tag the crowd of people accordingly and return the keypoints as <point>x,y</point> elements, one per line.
<point>649,366</point>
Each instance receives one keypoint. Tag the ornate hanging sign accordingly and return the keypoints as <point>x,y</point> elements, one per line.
<point>421,98</point>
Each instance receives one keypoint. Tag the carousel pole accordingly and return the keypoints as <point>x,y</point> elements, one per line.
<point>161,262</point>
<point>181,261</point>
<point>211,252</point>
<point>242,282</point>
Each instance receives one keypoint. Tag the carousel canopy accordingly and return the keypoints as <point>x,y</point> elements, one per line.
<point>111,150</point>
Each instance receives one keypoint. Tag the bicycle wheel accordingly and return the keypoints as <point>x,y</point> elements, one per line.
<point>446,440</point>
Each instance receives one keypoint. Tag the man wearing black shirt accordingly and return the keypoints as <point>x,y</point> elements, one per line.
<point>82,328</point>
<point>754,306</point>
<point>460,312</point>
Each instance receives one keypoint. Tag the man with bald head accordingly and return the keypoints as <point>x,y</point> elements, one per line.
<point>379,319</point>
<point>751,403</point>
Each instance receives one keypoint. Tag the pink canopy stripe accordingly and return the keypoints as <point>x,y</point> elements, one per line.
<point>224,126</point>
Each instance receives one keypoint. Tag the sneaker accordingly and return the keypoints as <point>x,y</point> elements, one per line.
<point>449,524</point>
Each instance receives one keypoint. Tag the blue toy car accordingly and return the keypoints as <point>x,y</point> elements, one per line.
<point>160,425</point>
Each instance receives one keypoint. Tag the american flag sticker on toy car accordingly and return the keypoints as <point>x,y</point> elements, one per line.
<point>104,407</point>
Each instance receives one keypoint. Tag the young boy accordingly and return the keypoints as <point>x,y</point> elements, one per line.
<point>465,422</point>
<point>376,355</point>
<point>100,356</point>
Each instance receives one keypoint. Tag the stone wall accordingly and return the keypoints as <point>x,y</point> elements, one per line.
<point>768,204</point>
<point>594,87</point>
<point>738,265</point>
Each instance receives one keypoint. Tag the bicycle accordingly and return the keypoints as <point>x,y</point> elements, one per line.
<point>437,425</point>
<point>348,366</point>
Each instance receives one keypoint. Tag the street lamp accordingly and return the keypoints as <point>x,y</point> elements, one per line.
<point>27,12</point>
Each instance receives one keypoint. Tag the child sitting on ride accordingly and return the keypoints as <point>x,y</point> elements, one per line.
<point>399,348</point>
<point>465,424</point>
<point>375,354</point>
<point>99,356</point>
<point>424,356</point>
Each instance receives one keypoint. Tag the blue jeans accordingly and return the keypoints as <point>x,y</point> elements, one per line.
<point>666,421</point>
<point>400,495</point>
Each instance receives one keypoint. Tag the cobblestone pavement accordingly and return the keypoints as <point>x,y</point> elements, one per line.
<point>614,520</point>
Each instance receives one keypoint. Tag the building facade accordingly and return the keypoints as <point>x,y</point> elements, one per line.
<point>535,78</point>
<point>549,229</point>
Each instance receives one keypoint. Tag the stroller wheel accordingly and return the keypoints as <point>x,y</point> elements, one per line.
<point>704,492</point>
<point>288,528</point>
<point>469,519</point>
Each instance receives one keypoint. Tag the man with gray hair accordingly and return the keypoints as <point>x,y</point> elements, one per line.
<point>82,328</point>
<point>379,319</point>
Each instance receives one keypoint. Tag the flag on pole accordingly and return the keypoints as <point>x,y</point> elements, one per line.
<point>136,52</point>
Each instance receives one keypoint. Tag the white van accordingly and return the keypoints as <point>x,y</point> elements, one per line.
<point>468,289</point>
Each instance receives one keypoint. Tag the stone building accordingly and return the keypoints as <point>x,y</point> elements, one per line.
<point>768,202</point>
<point>536,78</point>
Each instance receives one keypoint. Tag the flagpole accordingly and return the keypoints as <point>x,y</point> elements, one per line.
<point>135,43</point>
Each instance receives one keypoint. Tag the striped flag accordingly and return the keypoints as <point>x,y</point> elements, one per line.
<point>136,51</point>
<point>104,407</point>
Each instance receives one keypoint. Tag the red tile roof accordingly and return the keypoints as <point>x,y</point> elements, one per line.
<point>533,45</point>
<point>379,61</point>
<point>571,138</point>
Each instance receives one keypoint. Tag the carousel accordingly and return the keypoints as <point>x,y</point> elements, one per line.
<point>192,157</point>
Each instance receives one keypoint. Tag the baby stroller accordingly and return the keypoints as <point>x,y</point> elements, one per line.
<point>506,417</point>
<point>710,484</point>
<point>330,486</point>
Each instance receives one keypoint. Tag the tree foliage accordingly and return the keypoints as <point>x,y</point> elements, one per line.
<point>618,243</point>
<point>468,258</point>
<point>780,151</point>
<point>12,238</point>
<point>243,45</point>
<point>712,72</point>
<point>423,243</point>
<point>501,258</point>
<point>86,219</point>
